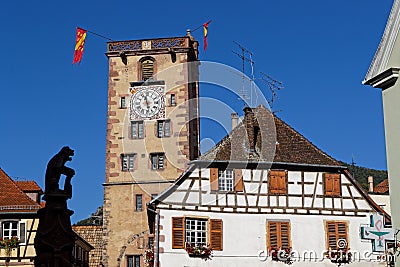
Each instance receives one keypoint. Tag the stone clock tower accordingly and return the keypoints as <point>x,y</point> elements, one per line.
<point>152,131</point>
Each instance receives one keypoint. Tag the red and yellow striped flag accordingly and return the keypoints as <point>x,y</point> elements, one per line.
<point>80,43</point>
<point>205,27</point>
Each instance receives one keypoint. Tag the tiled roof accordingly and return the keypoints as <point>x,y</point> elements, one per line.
<point>382,187</point>
<point>28,186</point>
<point>94,235</point>
<point>288,144</point>
<point>12,199</point>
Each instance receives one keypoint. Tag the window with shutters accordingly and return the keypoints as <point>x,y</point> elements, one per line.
<point>332,184</point>
<point>137,130</point>
<point>226,180</point>
<point>157,161</point>
<point>196,232</point>
<point>278,235</point>
<point>163,128</point>
<point>147,69</point>
<point>277,182</point>
<point>128,162</point>
<point>335,232</point>
<point>11,229</point>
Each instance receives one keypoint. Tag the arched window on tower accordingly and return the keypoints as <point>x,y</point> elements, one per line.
<point>147,67</point>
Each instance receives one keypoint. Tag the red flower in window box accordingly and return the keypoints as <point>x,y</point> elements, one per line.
<point>149,257</point>
<point>281,254</point>
<point>9,244</point>
<point>199,251</point>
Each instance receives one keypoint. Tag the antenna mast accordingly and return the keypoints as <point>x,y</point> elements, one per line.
<point>273,85</point>
<point>250,60</point>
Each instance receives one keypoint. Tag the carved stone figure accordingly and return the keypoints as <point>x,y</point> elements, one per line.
<point>56,168</point>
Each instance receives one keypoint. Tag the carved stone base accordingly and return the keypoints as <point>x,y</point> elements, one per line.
<point>54,239</point>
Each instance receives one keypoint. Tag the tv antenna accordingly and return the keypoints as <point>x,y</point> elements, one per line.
<point>273,85</point>
<point>245,55</point>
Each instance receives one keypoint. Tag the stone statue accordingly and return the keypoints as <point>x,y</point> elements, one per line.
<point>55,168</point>
<point>54,241</point>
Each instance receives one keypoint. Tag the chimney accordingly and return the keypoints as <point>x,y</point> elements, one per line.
<point>370,184</point>
<point>235,120</point>
<point>249,125</point>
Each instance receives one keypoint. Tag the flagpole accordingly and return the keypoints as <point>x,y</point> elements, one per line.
<point>109,39</point>
<point>200,26</point>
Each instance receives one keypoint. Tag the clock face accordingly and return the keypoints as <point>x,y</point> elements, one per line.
<point>147,103</point>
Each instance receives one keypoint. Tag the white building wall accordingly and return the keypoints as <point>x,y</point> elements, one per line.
<point>244,236</point>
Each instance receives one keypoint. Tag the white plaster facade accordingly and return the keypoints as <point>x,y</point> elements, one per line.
<point>245,215</point>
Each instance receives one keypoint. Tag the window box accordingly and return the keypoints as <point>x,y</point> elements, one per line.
<point>339,256</point>
<point>148,258</point>
<point>281,255</point>
<point>199,251</point>
<point>8,245</point>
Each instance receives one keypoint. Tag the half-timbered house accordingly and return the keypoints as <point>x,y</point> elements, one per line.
<point>263,187</point>
<point>19,202</point>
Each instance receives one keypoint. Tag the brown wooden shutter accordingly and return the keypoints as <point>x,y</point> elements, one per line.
<point>238,180</point>
<point>273,233</point>
<point>277,182</point>
<point>216,235</point>
<point>285,235</point>
<point>178,232</point>
<point>278,235</point>
<point>337,185</point>
<point>334,232</point>
<point>214,178</point>
<point>332,184</point>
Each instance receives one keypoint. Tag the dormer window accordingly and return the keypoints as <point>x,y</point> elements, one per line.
<point>147,67</point>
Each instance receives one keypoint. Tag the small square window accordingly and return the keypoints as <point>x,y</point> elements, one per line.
<point>137,130</point>
<point>163,128</point>
<point>133,261</point>
<point>128,162</point>
<point>157,161</point>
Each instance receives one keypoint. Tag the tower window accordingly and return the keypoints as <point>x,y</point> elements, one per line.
<point>172,100</point>
<point>157,161</point>
<point>147,69</point>
<point>139,202</point>
<point>128,162</point>
<point>163,128</point>
<point>123,102</point>
<point>137,130</point>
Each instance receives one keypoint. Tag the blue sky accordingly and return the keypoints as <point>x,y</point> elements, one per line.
<point>319,49</point>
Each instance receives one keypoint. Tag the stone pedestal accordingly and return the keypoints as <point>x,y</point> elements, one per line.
<point>54,239</point>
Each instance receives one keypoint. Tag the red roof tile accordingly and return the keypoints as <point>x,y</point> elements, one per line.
<point>281,143</point>
<point>12,199</point>
<point>93,234</point>
<point>382,187</point>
